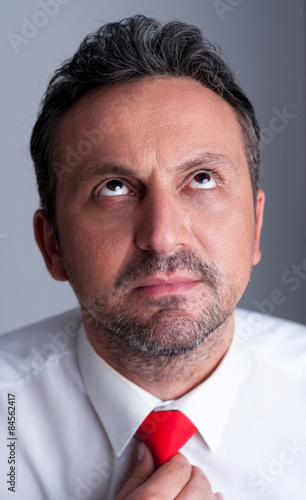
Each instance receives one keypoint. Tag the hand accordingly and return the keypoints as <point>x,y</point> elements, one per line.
<point>175,479</point>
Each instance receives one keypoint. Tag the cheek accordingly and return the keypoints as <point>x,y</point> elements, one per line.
<point>238,250</point>
<point>96,252</point>
<point>227,240</point>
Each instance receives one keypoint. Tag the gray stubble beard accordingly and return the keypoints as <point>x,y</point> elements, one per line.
<point>172,340</point>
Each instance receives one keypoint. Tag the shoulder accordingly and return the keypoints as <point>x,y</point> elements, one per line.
<point>278,341</point>
<point>25,351</point>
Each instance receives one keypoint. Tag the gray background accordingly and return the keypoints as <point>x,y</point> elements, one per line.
<point>264,42</point>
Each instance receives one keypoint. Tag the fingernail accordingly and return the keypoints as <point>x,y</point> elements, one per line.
<point>141,451</point>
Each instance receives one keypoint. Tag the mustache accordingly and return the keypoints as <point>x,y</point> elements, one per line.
<point>147,264</point>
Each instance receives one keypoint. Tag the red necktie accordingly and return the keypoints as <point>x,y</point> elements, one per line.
<point>165,432</point>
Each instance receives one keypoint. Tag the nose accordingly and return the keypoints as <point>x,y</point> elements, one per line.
<point>162,225</point>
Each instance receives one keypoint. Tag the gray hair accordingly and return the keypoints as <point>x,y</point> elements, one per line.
<point>126,51</point>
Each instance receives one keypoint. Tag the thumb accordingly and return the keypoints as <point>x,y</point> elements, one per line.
<point>143,470</point>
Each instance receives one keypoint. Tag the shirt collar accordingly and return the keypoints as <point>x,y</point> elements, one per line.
<point>209,405</point>
<point>121,404</point>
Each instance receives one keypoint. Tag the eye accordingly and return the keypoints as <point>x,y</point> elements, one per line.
<point>202,180</point>
<point>113,187</point>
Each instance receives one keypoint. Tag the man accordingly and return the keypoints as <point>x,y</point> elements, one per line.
<point>147,154</point>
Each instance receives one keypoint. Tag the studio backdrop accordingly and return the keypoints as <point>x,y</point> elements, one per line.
<point>263,40</point>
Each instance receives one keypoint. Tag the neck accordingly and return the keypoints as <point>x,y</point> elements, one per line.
<point>166,377</point>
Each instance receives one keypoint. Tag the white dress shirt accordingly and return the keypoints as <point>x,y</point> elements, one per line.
<point>75,418</point>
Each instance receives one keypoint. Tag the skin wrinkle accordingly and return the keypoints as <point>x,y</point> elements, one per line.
<point>202,160</point>
<point>109,244</point>
<point>138,343</point>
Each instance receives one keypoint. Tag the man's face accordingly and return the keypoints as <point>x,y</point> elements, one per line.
<point>156,219</point>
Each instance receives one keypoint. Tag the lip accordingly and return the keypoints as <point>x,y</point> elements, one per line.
<point>171,285</point>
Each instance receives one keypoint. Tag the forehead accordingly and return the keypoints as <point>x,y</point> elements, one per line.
<point>163,120</point>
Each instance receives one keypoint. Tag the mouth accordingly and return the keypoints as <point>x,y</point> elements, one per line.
<point>163,286</point>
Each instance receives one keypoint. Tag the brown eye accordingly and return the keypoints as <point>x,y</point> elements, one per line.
<point>113,187</point>
<point>202,180</point>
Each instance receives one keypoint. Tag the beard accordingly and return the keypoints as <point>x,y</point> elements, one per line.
<point>166,326</point>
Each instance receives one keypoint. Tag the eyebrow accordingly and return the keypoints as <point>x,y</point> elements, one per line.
<point>206,159</point>
<point>209,159</point>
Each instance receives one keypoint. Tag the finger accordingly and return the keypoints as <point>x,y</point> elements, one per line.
<point>167,481</point>
<point>142,471</point>
<point>219,496</point>
<point>198,487</point>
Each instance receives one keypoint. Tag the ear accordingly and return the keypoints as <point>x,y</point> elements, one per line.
<point>44,236</point>
<point>260,203</point>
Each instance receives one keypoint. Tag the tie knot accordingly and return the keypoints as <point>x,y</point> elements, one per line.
<point>165,432</point>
